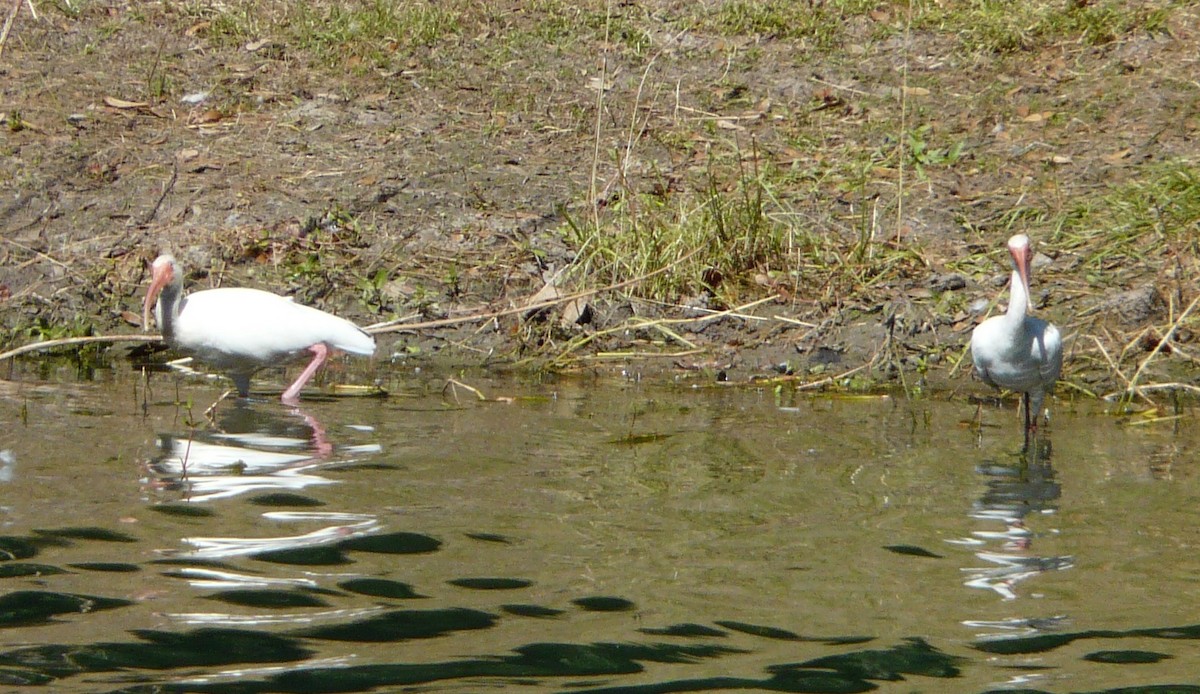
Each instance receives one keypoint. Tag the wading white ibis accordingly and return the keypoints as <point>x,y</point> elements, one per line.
<point>243,330</point>
<point>1016,351</point>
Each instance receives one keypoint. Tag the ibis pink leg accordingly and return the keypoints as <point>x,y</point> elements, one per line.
<point>291,396</point>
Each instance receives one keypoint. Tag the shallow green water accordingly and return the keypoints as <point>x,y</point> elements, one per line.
<point>583,535</point>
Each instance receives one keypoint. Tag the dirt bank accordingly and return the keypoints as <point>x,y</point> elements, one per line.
<point>443,165</point>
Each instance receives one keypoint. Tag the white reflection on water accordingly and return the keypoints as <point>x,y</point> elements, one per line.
<point>292,618</point>
<point>1012,494</point>
<point>213,579</point>
<point>223,547</point>
<point>8,465</point>
<point>197,457</point>
<point>248,450</point>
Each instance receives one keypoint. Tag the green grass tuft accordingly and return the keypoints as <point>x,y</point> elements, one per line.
<point>1156,214</point>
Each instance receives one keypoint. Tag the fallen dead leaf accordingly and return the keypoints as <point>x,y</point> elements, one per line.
<point>212,115</point>
<point>1118,155</point>
<point>548,292</point>
<point>575,311</point>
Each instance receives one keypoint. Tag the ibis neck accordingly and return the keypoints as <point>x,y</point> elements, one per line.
<point>1018,299</point>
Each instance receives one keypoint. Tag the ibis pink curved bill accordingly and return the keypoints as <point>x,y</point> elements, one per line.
<point>1017,351</point>
<point>243,330</point>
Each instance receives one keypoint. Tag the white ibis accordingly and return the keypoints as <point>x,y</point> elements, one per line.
<point>1016,351</point>
<point>243,330</point>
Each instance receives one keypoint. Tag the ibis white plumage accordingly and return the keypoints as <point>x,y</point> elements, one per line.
<point>1017,351</point>
<point>243,330</point>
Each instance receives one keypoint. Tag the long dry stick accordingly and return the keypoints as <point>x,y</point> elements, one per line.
<point>68,341</point>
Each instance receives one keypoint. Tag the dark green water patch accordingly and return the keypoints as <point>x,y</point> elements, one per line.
<point>22,569</point>
<point>531,661</point>
<point>913,657</point>
<point>22,677</point>
<point>285,500</point>
<point>87,533</point>
<point>12,547</point>
<point>106,567</point>
<point>685,630</point>
<point>489,537</point>
<point>759,630</point>
<point>402,625</point>
<point>393,543</point>
<point>184,510</point>
<point>24,607</point>
<point>156,650</point>
<point>535,611</point>
<point>488,583</point>
<point>268,599</point>
<point>912,551</point>
<point>603,603</point>
<point>380,588</point>
<point>1126,657</point>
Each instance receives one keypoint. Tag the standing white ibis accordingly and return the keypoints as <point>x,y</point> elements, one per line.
<point>243,330</point>
<point>1016,351</point>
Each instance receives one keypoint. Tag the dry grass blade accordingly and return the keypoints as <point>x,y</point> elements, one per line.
<point>8,23</point>
<point>453,385</point>
<point>1112,364</point>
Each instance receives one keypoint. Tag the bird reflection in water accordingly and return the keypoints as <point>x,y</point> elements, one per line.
<point>247,449</point>
<point>1019,496</point>
<point>1016,496</point>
